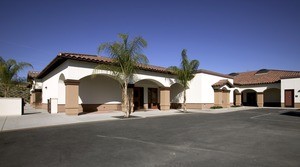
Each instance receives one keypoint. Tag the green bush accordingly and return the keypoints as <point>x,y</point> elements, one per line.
<point>216,107</point>
<point>235,106</point>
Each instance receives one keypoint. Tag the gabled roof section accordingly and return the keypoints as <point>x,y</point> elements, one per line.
<point>221,83</point>
<point>266,77</point>
<point>62,57</point>
<point>32,75</point>
<point>214,73</point>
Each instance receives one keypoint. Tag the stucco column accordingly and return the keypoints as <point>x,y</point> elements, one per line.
<point>238,99</point>
<point>72,91</point>
<point>218,97</point>
<point>260,99</point>
<point>145,98</point>
<point>32,98</point>
<point>165,98</point>
<point>36,97</point>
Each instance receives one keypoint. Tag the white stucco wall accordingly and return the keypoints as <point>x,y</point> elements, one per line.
<point>99,90</point>
<point>50,82</point>
<point>61,90</point>
<point>77,70</point>
<point>201,90</point>
<point>176,93</point>
<point>10,106</point>
<point>292,83</point>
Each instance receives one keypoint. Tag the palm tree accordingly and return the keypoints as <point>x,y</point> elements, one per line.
<point>185,73</point>
<point>126,57</point>
<point>9,73</point>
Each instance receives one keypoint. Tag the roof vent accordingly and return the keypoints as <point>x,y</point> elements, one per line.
<point>233,74</point>
<point>262,71</point>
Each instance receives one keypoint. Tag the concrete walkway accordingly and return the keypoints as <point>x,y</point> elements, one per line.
<point>35,118</point>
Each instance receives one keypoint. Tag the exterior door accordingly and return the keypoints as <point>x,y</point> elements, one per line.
<point>138,98</point>
<point>251,99</point>
<point>289,98</point>
<point>152,98</point>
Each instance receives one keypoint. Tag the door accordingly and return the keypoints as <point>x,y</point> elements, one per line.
<point>251,99</point>
<point>289,98</point>
<point>138,98</point>
<point>152,98</point>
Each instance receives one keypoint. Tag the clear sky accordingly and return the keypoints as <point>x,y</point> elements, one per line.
<point>224,35</point>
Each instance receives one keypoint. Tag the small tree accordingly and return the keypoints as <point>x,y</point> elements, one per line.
<point>126,56</point>
<point>9,74</point>
<point>185,73</point>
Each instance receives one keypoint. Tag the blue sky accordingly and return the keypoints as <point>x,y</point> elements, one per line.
<point>224,35</point>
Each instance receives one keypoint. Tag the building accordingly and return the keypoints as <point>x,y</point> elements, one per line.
<point>71,79</point>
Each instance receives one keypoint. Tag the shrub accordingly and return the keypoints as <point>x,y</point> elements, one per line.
<point>216,107</point>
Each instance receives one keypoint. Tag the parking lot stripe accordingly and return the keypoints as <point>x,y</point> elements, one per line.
<point>260,115</point>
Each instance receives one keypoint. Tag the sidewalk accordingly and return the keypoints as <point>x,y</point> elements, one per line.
<point>35,118</point>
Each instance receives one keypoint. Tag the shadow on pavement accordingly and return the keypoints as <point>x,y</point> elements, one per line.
<point>30,113</point>
<point>131,117</point>
<point>292,113</point>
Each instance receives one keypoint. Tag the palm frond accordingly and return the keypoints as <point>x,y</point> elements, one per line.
<point>187,69</point>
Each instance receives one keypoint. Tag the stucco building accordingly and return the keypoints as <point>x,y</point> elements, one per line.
<point>70,78</point>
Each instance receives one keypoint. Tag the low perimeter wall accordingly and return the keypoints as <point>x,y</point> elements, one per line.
<point>11,106</point>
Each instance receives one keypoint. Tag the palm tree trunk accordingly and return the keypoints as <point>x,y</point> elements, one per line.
<point>125,107</point>
<point>6,90</point>
<point>184,100</point>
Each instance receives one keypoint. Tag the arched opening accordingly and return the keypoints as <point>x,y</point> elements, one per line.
<point>236,98</point>
<point>272,97</point>
<point>146,94</point>
<point>176,96</point>
<point>249,97</point>
<point>99,93</point>
<point>61,98</point>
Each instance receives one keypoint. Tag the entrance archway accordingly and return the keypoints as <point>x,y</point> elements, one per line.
<point>99,93</point>
<point>249,97</point>
<point>146,94</point>
<point>236,98</point>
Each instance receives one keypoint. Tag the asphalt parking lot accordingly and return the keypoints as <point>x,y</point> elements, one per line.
<point>262,137</point>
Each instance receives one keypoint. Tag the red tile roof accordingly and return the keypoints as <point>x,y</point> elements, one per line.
<point>263,76</point>
<point>32,75</point>
<point>62,57</point>
<point>214,73</point>
<point>221,83</point>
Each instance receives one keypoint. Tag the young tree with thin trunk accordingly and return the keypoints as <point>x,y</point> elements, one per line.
<point>185,73</point>
<point>9,74</point>
<point>126,55</point>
